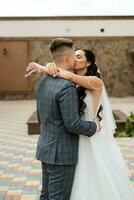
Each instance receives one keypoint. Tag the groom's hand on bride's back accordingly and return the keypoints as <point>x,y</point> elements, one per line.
<point>96,120</point>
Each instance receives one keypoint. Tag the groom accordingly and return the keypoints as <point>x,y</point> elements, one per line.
<point>60,125</point>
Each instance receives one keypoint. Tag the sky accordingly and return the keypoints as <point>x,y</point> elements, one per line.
<point>66,7</point>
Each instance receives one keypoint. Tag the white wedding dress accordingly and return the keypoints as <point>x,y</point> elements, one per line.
<point>101,172</point>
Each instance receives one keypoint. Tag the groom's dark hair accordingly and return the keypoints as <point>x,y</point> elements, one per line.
<point>59,46</point>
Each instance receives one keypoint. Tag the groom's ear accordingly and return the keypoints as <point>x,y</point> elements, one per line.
<point>66,57</point>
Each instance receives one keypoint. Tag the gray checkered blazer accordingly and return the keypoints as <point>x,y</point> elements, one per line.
<point>60,123</point>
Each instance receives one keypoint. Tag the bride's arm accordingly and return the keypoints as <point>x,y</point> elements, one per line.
<point>40,69</point>
<point>88,82</point>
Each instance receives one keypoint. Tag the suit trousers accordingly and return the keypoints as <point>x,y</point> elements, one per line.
<point>57,181</point>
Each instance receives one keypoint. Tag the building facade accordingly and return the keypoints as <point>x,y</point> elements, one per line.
<point>26,39</point>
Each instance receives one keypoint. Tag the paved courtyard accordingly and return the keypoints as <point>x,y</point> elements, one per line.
<point>20,172</point>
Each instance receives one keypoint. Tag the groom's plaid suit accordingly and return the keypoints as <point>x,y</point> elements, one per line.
<point>60,126</point>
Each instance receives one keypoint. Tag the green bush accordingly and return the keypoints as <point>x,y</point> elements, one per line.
<point>121,133</point>
<point>129,127</point>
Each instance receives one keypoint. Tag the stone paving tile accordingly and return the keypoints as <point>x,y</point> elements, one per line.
<point>20,172</point>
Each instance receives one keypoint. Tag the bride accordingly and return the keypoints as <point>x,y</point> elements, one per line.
<point>101,172</point>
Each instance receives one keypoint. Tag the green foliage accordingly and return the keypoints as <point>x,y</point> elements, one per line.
<point>131,115</point>
<point>121,133</point>
<point>129,127</point>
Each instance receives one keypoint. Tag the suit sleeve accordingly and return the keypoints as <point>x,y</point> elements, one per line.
<point>68,101</point>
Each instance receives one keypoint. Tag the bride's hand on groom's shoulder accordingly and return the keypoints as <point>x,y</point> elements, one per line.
<point>96,120</point>
<point>52,69</point>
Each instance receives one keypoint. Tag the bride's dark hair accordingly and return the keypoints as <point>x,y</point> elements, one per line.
<point>92,70</point>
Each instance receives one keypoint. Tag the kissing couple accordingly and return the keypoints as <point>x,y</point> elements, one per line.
<point>79,155</point>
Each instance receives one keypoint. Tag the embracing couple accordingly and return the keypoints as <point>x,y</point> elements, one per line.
<point>80,158</point>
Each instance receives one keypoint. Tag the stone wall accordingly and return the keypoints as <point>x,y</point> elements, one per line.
<point>114,57</point>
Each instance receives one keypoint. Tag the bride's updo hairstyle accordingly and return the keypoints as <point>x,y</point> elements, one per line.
<point>92,70</point>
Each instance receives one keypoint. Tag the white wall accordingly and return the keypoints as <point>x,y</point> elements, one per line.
<point>74,28</point>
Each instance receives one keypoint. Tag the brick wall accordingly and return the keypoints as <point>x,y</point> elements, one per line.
<point>114,57</point>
